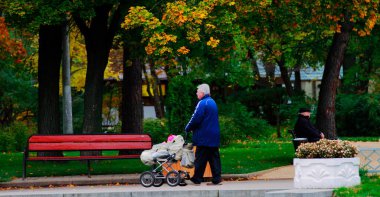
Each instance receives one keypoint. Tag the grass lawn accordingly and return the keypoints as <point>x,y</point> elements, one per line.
<point>370,187</point>
<point>255,156</point>
<point>243,157</point>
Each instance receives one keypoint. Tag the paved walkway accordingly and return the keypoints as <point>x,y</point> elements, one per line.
<point>267,183</point>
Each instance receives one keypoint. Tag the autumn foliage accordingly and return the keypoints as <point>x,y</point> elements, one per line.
<point>9,47</point>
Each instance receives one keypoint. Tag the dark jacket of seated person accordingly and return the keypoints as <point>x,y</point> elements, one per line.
<point>304,129</point>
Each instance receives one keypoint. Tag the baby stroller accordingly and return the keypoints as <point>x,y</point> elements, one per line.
<point>164,155</point>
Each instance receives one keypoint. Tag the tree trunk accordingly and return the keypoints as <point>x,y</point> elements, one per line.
<point>255,67</point>
<point>49,61</point>
<point>269,75</point>
<point>66,84</point>
<point>297,79</point>
<point>285,76</point>
<point>132,105</point>
<point>156,93</point>
<point>98,34</point>
<point>330,81</point>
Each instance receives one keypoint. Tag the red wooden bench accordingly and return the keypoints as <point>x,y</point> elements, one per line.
<point>84,142</point>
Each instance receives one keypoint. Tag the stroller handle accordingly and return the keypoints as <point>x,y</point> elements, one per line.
<point>185,137</point>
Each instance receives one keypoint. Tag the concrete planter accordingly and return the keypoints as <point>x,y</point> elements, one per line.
<point>326,173</point>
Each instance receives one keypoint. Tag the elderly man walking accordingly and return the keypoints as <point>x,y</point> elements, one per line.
<point>204,124</point>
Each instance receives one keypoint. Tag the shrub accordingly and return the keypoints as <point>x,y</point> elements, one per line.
<point>180,102</point>
<point>228,130</point>
<point>13,137</point>
<point>327,149</point>
<point>358,115</point>
<point>237,123</point>
<point>157,129</point>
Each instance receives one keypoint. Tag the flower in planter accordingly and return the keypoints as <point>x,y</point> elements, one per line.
<point>327,149</point>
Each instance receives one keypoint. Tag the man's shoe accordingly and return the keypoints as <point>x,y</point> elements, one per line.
<point>219,183</point>
<point>190,182</point>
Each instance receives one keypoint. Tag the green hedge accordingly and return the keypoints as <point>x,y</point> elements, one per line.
<point>14,137</point>
<point>237,123</point>
<point>358,115</point>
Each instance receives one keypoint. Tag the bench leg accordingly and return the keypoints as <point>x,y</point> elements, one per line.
<point>88,169</point>
<point>24,169</point>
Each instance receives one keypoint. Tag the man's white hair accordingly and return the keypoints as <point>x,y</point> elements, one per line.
<point>205,88</point>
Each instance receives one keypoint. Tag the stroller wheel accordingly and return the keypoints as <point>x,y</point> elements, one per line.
<point>173,178</point>
<point>147,179</point>
<point>158,179</point>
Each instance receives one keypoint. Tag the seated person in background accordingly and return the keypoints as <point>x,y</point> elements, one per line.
<point>304,128</point>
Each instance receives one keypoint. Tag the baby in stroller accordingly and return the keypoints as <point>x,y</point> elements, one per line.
<point>162,156</point>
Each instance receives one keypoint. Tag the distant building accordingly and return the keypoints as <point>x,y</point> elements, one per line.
<point>311,78</point>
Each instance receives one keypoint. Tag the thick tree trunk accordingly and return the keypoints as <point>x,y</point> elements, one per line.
<point>49,61</point>
<point>330,81</point>
<point>98,34</point>
<point>132,105</point>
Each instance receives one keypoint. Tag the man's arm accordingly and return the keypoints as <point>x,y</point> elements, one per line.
<point>196,118</point>
<point>312,131</point>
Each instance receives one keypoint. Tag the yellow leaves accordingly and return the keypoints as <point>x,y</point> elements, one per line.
<point>362,33</point>
<point>149,49</point>
<point>210,26</point>
<point>198,16</point>
<point>158,41</point>
<point>370,23</point>
<point>336,28</point>
<point>193,35</point>
<point>213,42</point>
<point>162,38</point>
<point>139,16</point>
<point>165,49</point>
<point>362,14</point>
<point>183,50</point>
<point>264,3</point>
<point>78,79</point>
<point>175,13</point>
<point>178,17</point>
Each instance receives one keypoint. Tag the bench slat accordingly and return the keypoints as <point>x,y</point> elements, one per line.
<point>89,146</point>
<point>83,158</point>
<point>85,142</point>
<point>90,138</point>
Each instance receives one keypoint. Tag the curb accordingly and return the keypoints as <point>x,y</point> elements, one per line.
<point>115,179</point>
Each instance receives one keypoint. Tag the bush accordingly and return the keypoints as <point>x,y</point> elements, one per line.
<point>14,137</point>
<point>237,123</point>
<point>358,115</point>
<point>327,149</point>
<point>157,129</point>
<point>228,130</point>
<point>180,102</point>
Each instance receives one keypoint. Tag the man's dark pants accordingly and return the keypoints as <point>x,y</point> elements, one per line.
<point>202,156</point>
